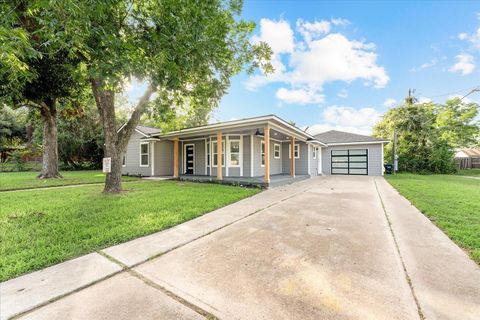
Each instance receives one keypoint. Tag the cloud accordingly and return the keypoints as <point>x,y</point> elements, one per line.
<point>316,58</point>
<point>424,100</point>
<point>348,119</point>
<point>390,102</point>
<point>465,64</point>
<point>343,94</point>
<point>473,38</point>
<point>299,96</point>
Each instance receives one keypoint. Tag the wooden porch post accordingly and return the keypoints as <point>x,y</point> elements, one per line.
<point>175,158</point>
<point>266,141</point>
<point>219,155</point>
<point>292,157</point>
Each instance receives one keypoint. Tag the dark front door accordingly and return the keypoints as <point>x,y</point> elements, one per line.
<point>189,155</point>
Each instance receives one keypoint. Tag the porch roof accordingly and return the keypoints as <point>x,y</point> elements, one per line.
<point>256,123</point>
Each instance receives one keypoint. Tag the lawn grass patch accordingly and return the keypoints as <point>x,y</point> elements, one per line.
<point>451,202</point>
<point>26,180</point>
<point>469,172</point>
<point>39,228</point>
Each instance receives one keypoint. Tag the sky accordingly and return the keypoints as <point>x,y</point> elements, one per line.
<point>341,65</point>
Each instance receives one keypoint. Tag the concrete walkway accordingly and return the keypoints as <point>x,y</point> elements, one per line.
<point>324,248</point>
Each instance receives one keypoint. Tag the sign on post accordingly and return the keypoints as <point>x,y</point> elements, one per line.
<point>107,165</point>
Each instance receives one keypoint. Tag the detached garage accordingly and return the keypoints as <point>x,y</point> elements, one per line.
<point>351,154</point>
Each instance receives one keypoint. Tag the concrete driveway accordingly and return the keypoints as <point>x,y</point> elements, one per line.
<point>333,248</point>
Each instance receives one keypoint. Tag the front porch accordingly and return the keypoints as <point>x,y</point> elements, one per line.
<point>276,180</point>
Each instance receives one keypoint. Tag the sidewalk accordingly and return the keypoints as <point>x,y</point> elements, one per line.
<point>33,290</point>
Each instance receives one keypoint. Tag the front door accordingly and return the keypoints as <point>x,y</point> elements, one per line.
<point>189,159</point>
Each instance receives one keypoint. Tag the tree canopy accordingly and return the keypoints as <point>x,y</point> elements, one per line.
<point>428,133</point>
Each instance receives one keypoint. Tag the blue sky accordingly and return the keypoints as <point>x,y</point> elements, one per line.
<point>340,65</point>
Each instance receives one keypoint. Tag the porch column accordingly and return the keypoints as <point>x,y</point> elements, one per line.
<point>266,141</point>
<point>175,158</point>
<point>219,155</point>
<point>292,157</point>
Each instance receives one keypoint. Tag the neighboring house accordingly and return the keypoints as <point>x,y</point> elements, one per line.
<point>258,150</point>
<point>468,158</point>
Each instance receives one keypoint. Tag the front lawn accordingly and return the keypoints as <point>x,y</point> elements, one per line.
<point>39,228</point>
<point>27,180</point>
<point>451,202</point>
<point>469,172</point>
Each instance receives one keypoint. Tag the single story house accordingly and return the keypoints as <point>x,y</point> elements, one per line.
<point>467,158</point>
<point>264,150</point>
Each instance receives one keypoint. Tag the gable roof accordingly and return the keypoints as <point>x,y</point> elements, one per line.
<point>468,153</point>
<point>340,137</point>
<point>148,130</point>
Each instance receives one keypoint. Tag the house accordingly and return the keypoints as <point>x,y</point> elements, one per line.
<point>467,158</point>
<point>264,150</point>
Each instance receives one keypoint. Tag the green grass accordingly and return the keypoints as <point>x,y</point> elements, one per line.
<point>451,202</point>
<point>469,172</point>
<point>26,180</point>
<point>39,228</point>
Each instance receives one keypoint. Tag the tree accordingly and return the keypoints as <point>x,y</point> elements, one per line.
<point>428,133</point>
<point>183,49</point>
<point>36,68</point>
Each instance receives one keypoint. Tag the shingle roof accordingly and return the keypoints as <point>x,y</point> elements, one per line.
<point>148,130</point>
<point>334,136</point>
<point>471,152</point>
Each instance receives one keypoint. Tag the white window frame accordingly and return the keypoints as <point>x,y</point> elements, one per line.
<point>279,151</point>
<point>262,154</point>
<point>297,147</point>
<point>142,154</point>
<point>208,152</point>
<point>315,150</point>
<point>124,160</point>
<point>214,154</point>
<point>239,153</point>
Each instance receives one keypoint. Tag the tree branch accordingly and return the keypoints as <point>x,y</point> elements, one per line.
<point>126,132</point>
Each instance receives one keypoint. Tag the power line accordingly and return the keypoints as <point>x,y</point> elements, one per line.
<point>454,92</point>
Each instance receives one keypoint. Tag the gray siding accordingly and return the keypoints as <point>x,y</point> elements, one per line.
<point>301,164</point>
<point>163,158</point>
<point>275,164</point>
<point>132,155</point>
<point>247,140</point>
<point>375,161</point>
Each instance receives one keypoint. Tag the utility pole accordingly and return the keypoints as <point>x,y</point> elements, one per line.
<point>394,152</point>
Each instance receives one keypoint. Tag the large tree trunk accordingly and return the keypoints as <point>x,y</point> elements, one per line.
<point>50,148</point>
<point>115,143</point>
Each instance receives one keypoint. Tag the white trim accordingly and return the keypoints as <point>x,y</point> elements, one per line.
<point>315,151</point>
<point>148,153</point>
<point>251,155</point>
<point>185,157</point>
<point>241,156</point>
<point>214,150</point>
<point>308,159</point>
<point>262,142</point>
<point>206,157</point>
<point>319,156</point>
<point>356,143</point>
<point>229,143</point>
<point>227,155</point>
<point>290,151</point>
<point>153,159</point>
<point>279,151</point>
<point>382,162</point>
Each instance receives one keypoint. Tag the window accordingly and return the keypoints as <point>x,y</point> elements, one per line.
<point>296,152</point>
<point>315,153</point>
<point>208,154</point>
<point>262,151</point>
<point>276,151</point>
<point>234,153</point>
<point>144,154</point>
<point>214,153</point>
<point>124,161</point>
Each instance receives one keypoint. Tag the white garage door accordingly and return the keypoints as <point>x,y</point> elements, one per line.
<point>350,161</point>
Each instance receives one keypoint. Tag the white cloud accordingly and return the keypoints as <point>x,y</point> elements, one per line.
<point>465,64</point>
<point>343,94</point>
<point>299,96</point>
<point>348,119</point>
<point>340,22</point>
<point>473,38</point>
<point>389,102</point>
<point>424,100</point>
<point>320,58</point>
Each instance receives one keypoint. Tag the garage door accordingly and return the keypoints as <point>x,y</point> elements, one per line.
<point>350,161</point>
